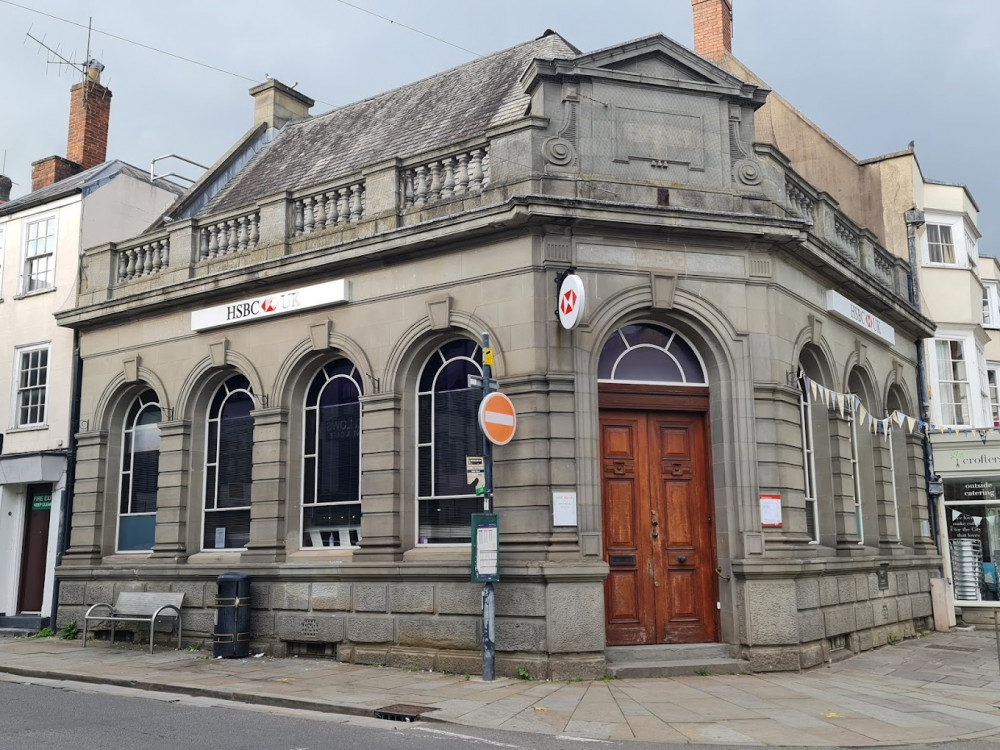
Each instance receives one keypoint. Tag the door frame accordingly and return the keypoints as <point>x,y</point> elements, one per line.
<point>653,397</point>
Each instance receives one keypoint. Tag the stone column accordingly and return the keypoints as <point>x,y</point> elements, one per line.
<point>270,483</point>
<point>87,524</point>
<point>917,496</point>
<point>886,516</point>
<point>381,468</point>
<point>174,493</point>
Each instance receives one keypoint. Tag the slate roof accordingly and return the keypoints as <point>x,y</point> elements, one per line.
<point>449,107</point>
<point>89,179</point>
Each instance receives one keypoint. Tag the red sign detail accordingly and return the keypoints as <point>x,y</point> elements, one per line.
<point>267,305</point>
<point>568,302</point>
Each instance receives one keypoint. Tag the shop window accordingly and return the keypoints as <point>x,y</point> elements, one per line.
<point>953,382</point>
<point>447,433</point>
<point>973,537</point>
<point>39,256</point>
<point>140,474</point>
<point>229,466</point>
<point>331,489</point>
<point>31,391</point>
<point>645,353</point>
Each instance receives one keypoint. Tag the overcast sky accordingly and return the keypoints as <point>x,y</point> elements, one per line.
<point>874,74</point>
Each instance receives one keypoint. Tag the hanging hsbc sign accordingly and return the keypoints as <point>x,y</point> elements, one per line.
<point>269,305</point>
<point>838,304</point>
<point>572,299</point>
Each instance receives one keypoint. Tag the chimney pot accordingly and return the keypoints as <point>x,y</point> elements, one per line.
<point>5,185</point>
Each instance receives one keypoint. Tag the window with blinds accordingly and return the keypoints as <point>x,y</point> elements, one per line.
<point>140,474</point>
<point>447,434</point>
<point>331,476</point>
<point>229,466</point>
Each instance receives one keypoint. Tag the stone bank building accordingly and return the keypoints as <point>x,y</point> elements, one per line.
<point>276,379</point>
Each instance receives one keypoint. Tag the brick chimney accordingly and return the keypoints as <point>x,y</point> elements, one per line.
<point>713,28</point>
<point>277,104</point>
<point>87,143</point>
<point>89,109</point>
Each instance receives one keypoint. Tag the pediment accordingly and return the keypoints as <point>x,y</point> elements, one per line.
<point>654,59</point>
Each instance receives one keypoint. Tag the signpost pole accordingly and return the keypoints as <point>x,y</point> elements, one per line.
<point>489,599</point>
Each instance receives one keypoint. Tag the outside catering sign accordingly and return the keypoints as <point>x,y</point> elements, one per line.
<point>572,300</point>
<point>839,305</point>
<point>271,304</point>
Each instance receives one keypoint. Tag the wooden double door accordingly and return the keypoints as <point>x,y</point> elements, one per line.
<point>657,521</point>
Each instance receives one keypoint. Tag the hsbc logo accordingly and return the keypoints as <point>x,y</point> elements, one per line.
<point>257,308</point>
<point>264,306</point>
<point>572,298</point>
<point>568,302</point>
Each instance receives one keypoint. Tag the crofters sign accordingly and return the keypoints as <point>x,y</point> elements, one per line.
<point>839,305</point>
<point>268,305</point>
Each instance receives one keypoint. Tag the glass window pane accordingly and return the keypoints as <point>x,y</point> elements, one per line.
<point>648,364</point>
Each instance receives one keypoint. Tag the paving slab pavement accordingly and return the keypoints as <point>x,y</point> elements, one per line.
<point>939,687</point>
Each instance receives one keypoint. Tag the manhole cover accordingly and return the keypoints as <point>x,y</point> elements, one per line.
<point>955,648</point>
<point>402,712</point>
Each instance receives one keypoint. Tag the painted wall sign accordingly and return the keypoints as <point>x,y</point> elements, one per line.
<point>268,305</point>
<point>572,301</point>
<point>839,305</point>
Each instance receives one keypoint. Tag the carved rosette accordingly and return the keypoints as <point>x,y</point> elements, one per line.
<point>747,171</point>
<point>558,151</point>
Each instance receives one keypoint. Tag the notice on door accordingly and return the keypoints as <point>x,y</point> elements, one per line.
<point>41,501</point>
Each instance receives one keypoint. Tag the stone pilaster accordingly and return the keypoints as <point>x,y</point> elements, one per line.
<point>87,530</point>
<point>917,497</point>
<point>174,494</point>
<point>382,513</point>
<point>845,527</point>
<point>270,482</point>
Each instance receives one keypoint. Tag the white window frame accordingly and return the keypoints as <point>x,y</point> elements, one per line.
<point>949,417</point>
<point>993,389</point>
<point>887,438</point>
<point>212,461</point>
<point>991,304</point>
<point>808,459</point>
<point>859,521</point>
<point>26,259</point>
<point>933,233</point>
<point>127,466</point>
<point>18,389</point>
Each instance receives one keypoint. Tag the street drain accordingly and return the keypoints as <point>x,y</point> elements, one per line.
<point>401,712</point>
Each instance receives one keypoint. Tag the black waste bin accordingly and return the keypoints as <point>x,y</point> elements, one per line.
<point>232,616</point>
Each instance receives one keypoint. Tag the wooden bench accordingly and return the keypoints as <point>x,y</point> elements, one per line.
<point>134,606</point>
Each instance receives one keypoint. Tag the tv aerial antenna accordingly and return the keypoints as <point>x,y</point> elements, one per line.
<point>55,57</point>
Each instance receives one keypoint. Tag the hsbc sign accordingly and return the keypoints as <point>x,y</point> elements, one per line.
<point>572,298</point>
<point>268,305</point>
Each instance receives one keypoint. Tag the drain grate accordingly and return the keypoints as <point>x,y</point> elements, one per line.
<point>402,712</point>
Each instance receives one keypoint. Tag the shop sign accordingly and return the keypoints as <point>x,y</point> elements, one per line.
<point>839,305</point>
<point>984,459</point>
<point>973,491</point>
<point>572,301</point>
<point>269,305</point>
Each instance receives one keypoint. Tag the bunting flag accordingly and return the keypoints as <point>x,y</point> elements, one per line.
<point>849,402</point>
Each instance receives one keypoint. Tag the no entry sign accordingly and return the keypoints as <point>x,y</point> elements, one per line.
<point>497,419</point>
<point>571,301</point>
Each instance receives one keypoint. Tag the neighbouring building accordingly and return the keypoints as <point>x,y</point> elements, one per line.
<point>276,379</point>
<point>75,202</point>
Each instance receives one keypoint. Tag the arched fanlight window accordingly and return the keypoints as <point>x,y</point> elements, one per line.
<point>447,433</point>
<point>331,476</point>
<point>229,466</point>
<point>139,474</point>
<point>649,353</point>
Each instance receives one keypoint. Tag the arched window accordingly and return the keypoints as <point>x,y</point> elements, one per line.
<point>331,475</point>
<point>810,372</point>
<point>229,466</point>
<point>140,474</point>
<point>447,433</point>
<point>648,353</point>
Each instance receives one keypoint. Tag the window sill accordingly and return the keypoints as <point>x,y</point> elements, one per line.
<point>35,293</point>
<point>216,556</point>
<point>28,428</point>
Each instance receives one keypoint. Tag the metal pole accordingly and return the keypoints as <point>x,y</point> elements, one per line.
<point>996,632</point>
<point>489,600</point>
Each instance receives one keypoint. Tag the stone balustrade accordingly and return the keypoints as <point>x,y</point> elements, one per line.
<point>229,236</point>
<point>150,256</point>
<point>329,208</point>
<point>454,176</point>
